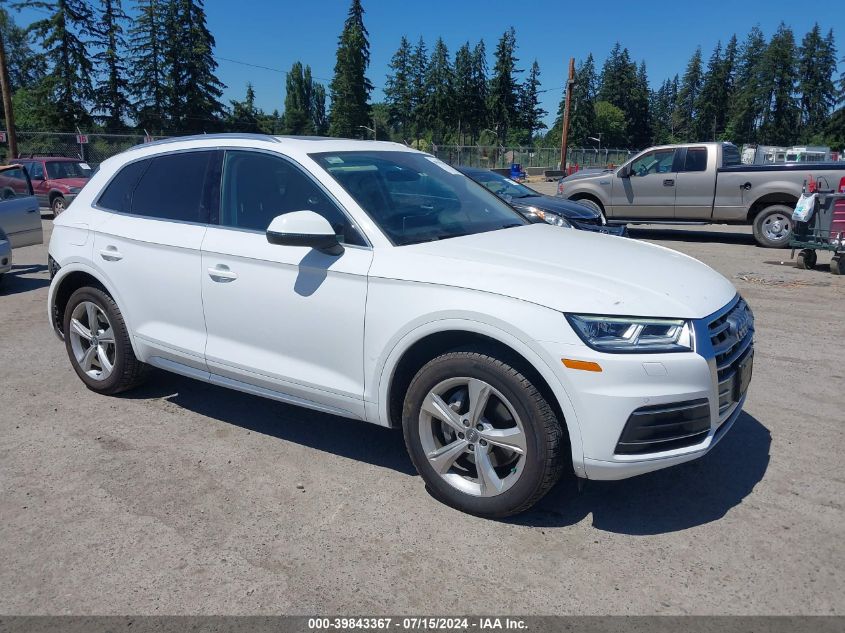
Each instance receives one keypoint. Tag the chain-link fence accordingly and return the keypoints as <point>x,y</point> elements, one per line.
<point>491,156</point>
<point>96,149</point>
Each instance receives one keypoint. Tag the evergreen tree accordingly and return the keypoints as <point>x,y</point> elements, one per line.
<point>319,118</point>
<point>478,115</point>
<point>504,90</point>
<point>195,90</point>
<point>419,88</point>
<point>747,99</point>
<point>65,37</point>
<point>639,124</point>
<point>25,66</point>
<point>683,117</point>
<point>582,113</point>
<point>149,75</point>
<point>299,101</point>
<point>816,66</point>
<point>531,114</point>
<point>710,101</point>
<point>244,116</point>
<point>618,84</point>
<point>663,102</point>
<point>397,90</point>
<point>463,90</point>
<point>779,73</point>
<point>440,103</point>
<point>350,88</point>
<point>111,93</point>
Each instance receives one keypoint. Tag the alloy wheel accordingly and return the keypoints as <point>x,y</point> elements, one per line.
<point>472,436</point>
<point>92,340</point>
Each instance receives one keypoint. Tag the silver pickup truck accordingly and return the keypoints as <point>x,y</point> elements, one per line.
<point>701,183</point>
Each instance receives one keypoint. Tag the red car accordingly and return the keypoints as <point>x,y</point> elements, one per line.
<point>56,180</point>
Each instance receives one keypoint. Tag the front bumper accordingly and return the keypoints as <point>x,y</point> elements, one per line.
<point>707,387</point>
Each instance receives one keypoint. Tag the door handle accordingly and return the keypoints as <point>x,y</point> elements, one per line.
<point>669,182</point>
<point>221,273</point>
<point>32,210</point>
<point>111,254</point>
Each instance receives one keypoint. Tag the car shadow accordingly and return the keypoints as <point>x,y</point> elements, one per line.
<point>677,498</point>
<point>333,434</point>
<point>17,280</point>
<point>690,235</point>
<point>669,500</point>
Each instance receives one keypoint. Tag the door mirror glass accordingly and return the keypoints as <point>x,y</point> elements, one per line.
<point>304,228</point>
<point>624,172</point>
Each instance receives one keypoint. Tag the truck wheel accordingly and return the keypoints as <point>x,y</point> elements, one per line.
<point>58,205</point>
<point>481,435</point>
<point>806,259</point>
<point>773,226</point>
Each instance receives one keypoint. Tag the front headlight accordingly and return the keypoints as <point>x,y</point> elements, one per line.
<point>632,334</point>
<point>551,218</point>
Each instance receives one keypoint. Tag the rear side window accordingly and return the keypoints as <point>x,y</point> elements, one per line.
<point>173,187</point>
<point>118,194</point>
<point>696,159</point>
<point>730,156</point>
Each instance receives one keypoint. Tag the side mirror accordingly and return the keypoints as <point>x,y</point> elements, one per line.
<point>624,172</point>
<point>304,228</point>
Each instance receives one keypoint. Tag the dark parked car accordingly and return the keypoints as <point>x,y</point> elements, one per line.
<point>537,207</point>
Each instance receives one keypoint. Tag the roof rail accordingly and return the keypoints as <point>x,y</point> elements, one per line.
<point>198,137</point>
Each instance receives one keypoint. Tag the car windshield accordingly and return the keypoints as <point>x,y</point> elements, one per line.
<point>415,197</point>
<point>502,185</point>
<point>67,169</point>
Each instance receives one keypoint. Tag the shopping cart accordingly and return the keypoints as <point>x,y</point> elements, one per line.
<point>823,231</point>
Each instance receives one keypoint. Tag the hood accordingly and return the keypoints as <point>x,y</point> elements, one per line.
<point>586,173</point>
<point>69,182</point>
<point>560,206</point>
<point>568,271</point>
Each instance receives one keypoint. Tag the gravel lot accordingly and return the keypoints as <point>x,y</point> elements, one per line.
<point>184,498</point>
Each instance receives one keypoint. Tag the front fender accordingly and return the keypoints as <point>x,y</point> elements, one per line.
<point>521,343</point>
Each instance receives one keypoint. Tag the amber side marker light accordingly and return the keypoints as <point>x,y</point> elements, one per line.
<point>583,365</point>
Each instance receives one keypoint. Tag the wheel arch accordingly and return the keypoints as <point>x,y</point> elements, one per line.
<point>584,195</point>
<point>426,342</point>
<point>69,279</point>
<point>768,200</point>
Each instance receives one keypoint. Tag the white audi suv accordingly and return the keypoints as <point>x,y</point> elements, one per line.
<point>372,281</point>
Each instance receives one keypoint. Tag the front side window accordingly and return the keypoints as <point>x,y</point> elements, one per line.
<point>173,187</point>
<point>696,159</point>
<point>656,162</point>
<point>414,197</point>
<point>14,184</point>
<point>58,169</point>
<point>258,187</point>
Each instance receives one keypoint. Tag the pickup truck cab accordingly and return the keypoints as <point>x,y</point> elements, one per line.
<point>700,183</point>
<point>56,180</point>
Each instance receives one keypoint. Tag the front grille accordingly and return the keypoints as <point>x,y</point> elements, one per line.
<point>731,335</point>
<point>663,427</point>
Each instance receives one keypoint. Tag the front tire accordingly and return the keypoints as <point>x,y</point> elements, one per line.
<point>587,202</point>
<point>57,206</point>
<point>98,345</point>
<point>773,226</point>
<point>481,435</point>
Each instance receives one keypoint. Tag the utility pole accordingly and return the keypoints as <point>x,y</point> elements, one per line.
<point>564,136</point>
<point>7,102</point>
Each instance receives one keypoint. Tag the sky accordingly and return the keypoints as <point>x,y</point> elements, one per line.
<point>276,33</point>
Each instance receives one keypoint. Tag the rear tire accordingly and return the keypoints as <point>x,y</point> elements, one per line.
<point>98,345</point>
<point>773,226</point>
<point>493,460</point>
